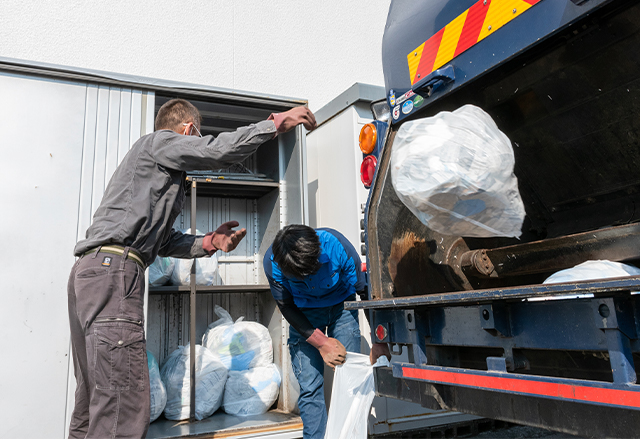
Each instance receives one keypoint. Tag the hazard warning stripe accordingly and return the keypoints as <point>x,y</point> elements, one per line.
<point>473,25</point>
<point>589,394</point>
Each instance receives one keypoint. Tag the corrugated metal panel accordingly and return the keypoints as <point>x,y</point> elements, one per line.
<point>114,119</point>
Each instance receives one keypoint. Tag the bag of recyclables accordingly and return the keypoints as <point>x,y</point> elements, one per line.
<point>157,391</point>
<point>454,171</point>
<point>589,270</point>
<point>206,269</point>
<point>251,392</point>
<point>211,376</point>
<point>161,270</point>
<point>239,346</point>
<point>351,397</point>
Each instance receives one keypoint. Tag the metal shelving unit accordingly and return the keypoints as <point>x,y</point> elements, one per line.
<point>218,185</point>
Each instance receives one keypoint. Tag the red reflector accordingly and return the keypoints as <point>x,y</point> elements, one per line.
<point>363,267</point>
<point>381,332</point>
<point>367,169</point>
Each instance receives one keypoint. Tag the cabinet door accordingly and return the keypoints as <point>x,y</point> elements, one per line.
<point>60,141</point>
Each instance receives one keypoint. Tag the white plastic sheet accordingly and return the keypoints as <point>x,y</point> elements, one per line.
<point>157,391</point>
<point>241,345</point>
<point>251,392</point>
<point>160,271</point>
<point>454,171</point>
<point>206,269</point>
<point>211,377</point>
<point>351,397</point>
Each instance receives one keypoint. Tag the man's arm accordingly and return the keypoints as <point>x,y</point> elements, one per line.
<point>190,153</point>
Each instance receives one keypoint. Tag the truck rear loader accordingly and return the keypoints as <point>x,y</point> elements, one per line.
<point>561,78</point>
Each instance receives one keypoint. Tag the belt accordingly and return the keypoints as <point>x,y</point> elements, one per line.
<point>119,250</point>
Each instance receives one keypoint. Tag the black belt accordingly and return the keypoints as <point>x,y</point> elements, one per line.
<point>119,250</point>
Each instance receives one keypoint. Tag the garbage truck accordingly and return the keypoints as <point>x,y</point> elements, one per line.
<point>483,334</point>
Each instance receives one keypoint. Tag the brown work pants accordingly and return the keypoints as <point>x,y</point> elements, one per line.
<point>106,299</point>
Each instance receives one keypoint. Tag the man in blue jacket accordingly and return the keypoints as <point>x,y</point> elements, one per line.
<point>311,274</point>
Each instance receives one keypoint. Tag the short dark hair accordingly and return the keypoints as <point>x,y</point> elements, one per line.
<point>176,112</point>
<point>296,249</point>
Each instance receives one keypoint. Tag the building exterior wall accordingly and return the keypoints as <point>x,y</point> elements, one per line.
<point>313,50</point>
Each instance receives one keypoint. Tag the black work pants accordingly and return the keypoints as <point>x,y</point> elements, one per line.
<point>106,299</point>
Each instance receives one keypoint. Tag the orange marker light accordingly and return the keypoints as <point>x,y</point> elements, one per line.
<point>368,138</point>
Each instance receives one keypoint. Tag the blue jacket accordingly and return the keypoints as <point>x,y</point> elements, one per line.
<point>339,276</point>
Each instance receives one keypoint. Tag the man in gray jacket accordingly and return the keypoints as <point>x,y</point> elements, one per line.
<point>132,225</point>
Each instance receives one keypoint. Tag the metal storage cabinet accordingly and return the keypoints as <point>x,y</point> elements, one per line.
<point>64,131</point>
<point>262,201</point>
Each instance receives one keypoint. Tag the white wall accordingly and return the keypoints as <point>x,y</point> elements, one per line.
<point>302,49</point>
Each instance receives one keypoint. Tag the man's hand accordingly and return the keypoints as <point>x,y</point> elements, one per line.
<point>224,238</point>
<point>378,350</point>
<point>286,121</point>
<point>332,351</point>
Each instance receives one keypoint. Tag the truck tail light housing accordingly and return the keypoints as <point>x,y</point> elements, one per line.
<point>368,138</point>
<point>367,170</point>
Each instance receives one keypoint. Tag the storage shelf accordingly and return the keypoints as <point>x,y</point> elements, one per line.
<point>240,288</point>
<point>222,186</point>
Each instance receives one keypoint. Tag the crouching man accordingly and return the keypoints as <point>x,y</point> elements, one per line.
<point>311,274</point>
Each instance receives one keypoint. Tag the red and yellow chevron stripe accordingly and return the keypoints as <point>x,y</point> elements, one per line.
<point>470,27</point>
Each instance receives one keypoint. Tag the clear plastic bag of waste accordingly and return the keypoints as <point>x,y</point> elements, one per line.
<point>211,377</point>
<point>251,392</point>
<point>454,171</point>
<point>239,345</point>
<point>206,269</point>
<point>161,270</point>
<point>156,388</point>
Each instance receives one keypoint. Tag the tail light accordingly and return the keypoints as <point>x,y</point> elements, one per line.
<point>368,138</point>
<point>367,170</point>
<point>381,333</point>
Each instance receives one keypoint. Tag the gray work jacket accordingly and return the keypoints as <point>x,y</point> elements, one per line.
<point>147,191</point>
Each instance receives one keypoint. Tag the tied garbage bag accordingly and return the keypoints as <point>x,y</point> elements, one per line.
<point>161,270</point>
<point>156,388</point>
<point>251,392</point>
<point>211,376</point>
<point>589,270</point>
<point>240,345</point>
<point>351,396</point>
<point>454,171</point>
<point>206,269</point>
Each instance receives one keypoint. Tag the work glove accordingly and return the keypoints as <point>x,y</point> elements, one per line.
<point>378,350</point>
<point>332,351</point>
<point>224,238</point>
<point>286,121</point>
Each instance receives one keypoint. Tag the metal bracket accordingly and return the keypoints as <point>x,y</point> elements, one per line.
<point>494,318</point>
<point>615,318</point>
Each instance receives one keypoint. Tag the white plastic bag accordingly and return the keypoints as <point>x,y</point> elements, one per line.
<point>157,391</point>
<point>251,392</point>
<point>206,269</point>
<point>589,270</point>
<point>351,397</point>
<point>161,270</point>
<point>211,377</point>
<point>241,345</point>
<point>454,171</point>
